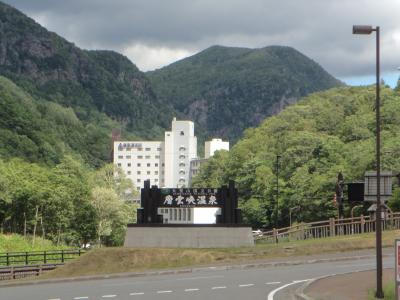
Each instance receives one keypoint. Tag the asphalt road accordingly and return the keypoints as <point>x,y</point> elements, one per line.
<point>271,283</point>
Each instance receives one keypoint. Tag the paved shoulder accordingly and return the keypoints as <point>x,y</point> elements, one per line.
<point>347,286</point>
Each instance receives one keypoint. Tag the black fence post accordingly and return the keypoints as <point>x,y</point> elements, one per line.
<point>224,212</point>
<point>8,259</point>
<point>145,202</point>
<point>62,256</point>
<point>26,258</point>
<point>44,257</point>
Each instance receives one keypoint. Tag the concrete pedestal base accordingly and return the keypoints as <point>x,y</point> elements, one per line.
<point>188,237</point>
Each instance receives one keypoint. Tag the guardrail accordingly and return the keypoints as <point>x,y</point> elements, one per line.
<point>17,272</point>
<point>39,257</point>
<point>331,227</point>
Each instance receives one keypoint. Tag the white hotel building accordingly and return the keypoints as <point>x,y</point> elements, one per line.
<point>166,164</point>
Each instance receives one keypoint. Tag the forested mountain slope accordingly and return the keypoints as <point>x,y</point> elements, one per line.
<point>90,82</point>
<point>323,134</point>
<point>226,90</point>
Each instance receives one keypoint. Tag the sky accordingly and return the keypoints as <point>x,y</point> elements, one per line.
<point>155,33</point>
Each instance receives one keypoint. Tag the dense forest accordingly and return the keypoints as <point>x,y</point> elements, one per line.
<point>310,142</point>
<point>68,203</point>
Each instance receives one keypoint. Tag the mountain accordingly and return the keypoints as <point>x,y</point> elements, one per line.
<point>51,68</point>
<point>226,90</point>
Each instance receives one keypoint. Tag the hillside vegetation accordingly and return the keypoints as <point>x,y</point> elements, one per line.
<point>18,243</point>
<point>226,90</point>
<point>325,133</point>
<point>44,131</point>
<point>100,90</point>
<point>68,203</point>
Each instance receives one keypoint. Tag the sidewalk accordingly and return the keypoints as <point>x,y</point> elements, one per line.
<point>353,286</point>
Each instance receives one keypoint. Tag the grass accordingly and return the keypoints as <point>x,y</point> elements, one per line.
<point>18,243</point>
<point>388,292</point>
<point>119,260</point>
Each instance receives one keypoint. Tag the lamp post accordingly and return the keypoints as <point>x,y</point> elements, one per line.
<point>366,29</point>
<point>277,191</point>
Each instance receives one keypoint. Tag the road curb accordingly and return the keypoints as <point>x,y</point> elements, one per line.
<point>187,271</point>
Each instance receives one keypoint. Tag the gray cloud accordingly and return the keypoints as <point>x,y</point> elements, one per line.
<point>157,32</point>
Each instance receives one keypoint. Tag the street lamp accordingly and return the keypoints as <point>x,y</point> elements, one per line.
<point>366,29</point>
<point>277,191</point>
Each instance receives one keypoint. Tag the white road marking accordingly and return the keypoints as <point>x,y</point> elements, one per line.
<point>272,293</point>
<point>191,290</point>
<point>218,287</point>
<point>246,285</point>
<point>163,292</point>
<point>84,297</point>
<point>135,294</point>
<point>54,299</point>
<point>273,282</point>
<point>200,277</point>
<point>109,296</point>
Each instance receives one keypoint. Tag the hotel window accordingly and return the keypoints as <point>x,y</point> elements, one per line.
<point>138,164</point>
<point>129,172</point>
<point>138,188</point>
<point>158,149</point>
<point>138,172</point>
<point>182,172</point>
<point>140,157</point>
<point>181,148</point>
<point>182,156</point>
<point>162,164</point>
<point>128,157</point>
<point>147,156</point>
<point>129,164</point>
<point>156,180</point>
<point>182,133</point>
<point>139,149</point>
<point>157,156</point>
<point>120,157</point>
<point>155,172</point>
<point>156,164</point>
<point>148,149</point>
<point>181,164</point>
<point>118,165</point>
<point>148,164</point>
<point>138,180</point>
<point>148,172</point>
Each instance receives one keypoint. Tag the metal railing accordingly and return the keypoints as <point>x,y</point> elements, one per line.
<point>39,257</point>
<point>329,228</point>
<point>17,272</point>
